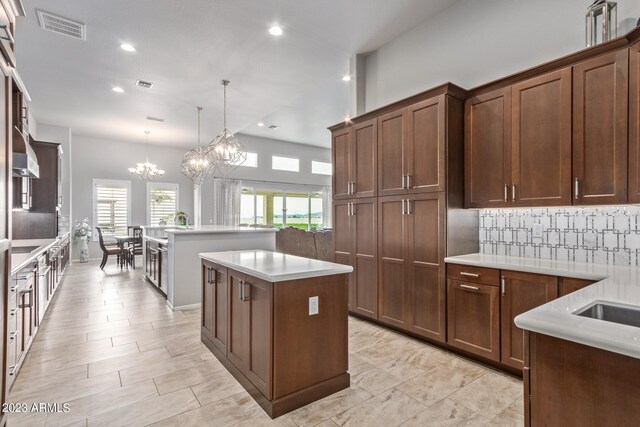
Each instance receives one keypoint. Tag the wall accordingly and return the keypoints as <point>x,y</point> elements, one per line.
<point>265,149</point>
<point>602,235</point>
<point>474,42</point>
<point>107,159</point>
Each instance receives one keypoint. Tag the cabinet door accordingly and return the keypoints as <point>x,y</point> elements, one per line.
<point>343,241</point>
<point>341,156</point>
<point>391,145</point>
<point>238,345</point>
<point>541,140</point>
<point>365,284</point>
<point>258,299</point>
<point>473,316</point>
<point>600,116</point>
<point>427,288</point>
<point>634,123</point>
<point>221,301</point>
<point>487,145</point>
<point>521,292</point>
<point>392,254</point>
<point>208,300</point>
<point>567,285</point>
<point>28,315</point>
<point>364,159</point>
<point>426,151</point>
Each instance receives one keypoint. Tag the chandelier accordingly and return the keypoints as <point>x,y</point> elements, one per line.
<point>198,164</point>
<point>146,171</point>
<point>227,151</point>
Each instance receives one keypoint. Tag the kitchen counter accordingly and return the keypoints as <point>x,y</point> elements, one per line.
<point>218,229</point>
<point>616,284</point>
<point>19,261</point>
<point>275,266</point>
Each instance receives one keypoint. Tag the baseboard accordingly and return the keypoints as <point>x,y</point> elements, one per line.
<point>183,307</point>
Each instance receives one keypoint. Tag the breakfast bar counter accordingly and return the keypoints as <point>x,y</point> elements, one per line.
<point>278,323</point>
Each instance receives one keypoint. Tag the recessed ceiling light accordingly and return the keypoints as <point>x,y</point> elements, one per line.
<point>276,30</point>
<point>260,124</point>
<point>127,47</point>
<point>346,78</point>
<point>117,89</point>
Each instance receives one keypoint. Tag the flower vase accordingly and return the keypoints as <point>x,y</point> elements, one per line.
<point>84,250</point>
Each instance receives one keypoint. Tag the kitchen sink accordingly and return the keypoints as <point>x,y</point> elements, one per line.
<point>23,249</point>
<point>609,312</point>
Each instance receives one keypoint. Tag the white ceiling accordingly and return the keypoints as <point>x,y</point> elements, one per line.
<point>186,47</point>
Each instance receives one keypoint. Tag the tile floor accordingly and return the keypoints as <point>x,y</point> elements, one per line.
<point>111,348</point>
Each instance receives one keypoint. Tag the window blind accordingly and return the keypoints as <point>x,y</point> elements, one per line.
<point>163,204</point>
<point>112,208</point>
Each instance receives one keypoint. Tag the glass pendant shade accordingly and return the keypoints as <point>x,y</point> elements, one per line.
<point>198,164</point>
<point>146,171</point>
<point>225,148</point>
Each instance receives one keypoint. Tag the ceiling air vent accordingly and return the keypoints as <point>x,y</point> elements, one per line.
<point>142,83</point>
<point>60,25</point>
<point>155,119</point>
<point>274,127</point>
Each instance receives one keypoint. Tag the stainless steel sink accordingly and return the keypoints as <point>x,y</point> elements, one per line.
<point>609,312</point>
<point>23,249</point>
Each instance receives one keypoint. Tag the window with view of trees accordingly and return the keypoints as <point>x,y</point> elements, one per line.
<point>162,202</point>
<point>302,210</point>
<point>111,206</point>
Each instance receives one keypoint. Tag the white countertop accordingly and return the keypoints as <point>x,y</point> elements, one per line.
<point>617,284</point>
<point>219,229</point>
<point>19,261</point>
<point>275,266</point>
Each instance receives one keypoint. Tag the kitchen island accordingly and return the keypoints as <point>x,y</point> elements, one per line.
<point>278,323</point>
<point>170,256</point>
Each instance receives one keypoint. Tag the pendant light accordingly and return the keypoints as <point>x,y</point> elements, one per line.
<point>146,171</point>
<point>225,148</point>
<point>198,164</point>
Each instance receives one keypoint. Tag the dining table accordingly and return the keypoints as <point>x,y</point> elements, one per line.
<point>123,241</point>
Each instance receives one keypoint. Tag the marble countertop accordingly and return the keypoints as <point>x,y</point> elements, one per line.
<point>162,240</point>
<point>617,284</point>
<point>19,261</point>
<point>275,266</point>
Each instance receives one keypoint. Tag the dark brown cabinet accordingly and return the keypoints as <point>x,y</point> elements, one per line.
<point>411,267</point>
<point>521,292</point>
<point>600,117</point>
<point>354,158</point>
<point>355,243</point>
<point>634,123</point>
<point>567,285</point>
<point>391,145</point>
<point>214,307</point>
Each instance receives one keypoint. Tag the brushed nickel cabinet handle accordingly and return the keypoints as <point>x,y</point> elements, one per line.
<point>353,209</point>
<point>12,370</point>
<point>576,189</point>
<point>244,295</point>
<point>506,193</point>
<point>502,285</point>
<point>403,181</point>
<point>473,288</point>
<point>408,181</point>
<point>403,207</point>
<point>513,192</point>
<point>241,289</point>
<point>464,273</point>
<point>8,36</point>
<point>409,207</point>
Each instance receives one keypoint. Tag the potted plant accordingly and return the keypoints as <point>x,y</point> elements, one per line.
<point>82,232</point>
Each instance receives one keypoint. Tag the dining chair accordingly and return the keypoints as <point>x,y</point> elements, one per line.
<point>136,247</point>
<point>107,250</point>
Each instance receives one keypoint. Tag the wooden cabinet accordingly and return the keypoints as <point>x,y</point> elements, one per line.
<point>214,307</point>
<point>411,267</point>
<point>355,243</point>
<point>567,285</point>
<point>634,123</point>
<point>521,292</point>
<point>354,158</point>
<point>600,117</point>
<point>391,143</point>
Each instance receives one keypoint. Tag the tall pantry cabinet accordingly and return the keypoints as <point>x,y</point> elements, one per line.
<point>398,198</point>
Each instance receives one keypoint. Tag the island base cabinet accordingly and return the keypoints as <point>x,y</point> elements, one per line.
<point>214,310</point>
<point>570,384</point>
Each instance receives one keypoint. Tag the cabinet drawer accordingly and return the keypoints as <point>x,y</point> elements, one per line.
<point>467,273</point>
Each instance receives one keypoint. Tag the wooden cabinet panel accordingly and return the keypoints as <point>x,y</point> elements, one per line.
<point>634,123</point>
<point>341,156</point>
<point>364,159</point>
<point>391,143</point>
<point>471,273</point>
<point>392,254</point>
<point>427,288</point>
<point>600,116</point>
<point>473,316</point>
<point>521,292</point>
<point>260,351</point>
<point>343,241</point>
<point>425,158</point>
<point>567,285</point>
<point>365,254</point>
<point>220,303</point>
<point>238,345</point>
<point>541,143</point>
<point>207,313</point>
<point>488,149</point>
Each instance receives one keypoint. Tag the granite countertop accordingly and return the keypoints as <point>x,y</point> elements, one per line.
<point>275,266</point>
<point>219,229</point>
<point>19,261</point>
<point>617,284</point>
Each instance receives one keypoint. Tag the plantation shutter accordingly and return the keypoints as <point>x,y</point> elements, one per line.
<point>163,204</point>
<point>112,208</point>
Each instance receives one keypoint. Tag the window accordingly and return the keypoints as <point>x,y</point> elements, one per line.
<point>321,168</point>
<point>251,161</point>
<point>290,164</point>
<point>111,206</point>
<point>162,202</point>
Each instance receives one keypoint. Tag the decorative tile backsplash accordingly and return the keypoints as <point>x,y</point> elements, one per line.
<point>602,235</point>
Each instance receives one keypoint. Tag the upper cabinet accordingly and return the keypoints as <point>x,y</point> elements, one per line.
<point>634,123</point>
<point>600,114</point>
<point>7,28</point>
<point>354,153</point>
<point>392,147</point>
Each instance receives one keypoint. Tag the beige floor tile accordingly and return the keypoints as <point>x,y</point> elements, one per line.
<point>147,411</point>
<point>109,326</point>
<point>35,378</point>
<point>330,406</point>
<point>102,402</point>
<point>96,356</point>
<point>128,361</point>
<point>29,419</point>
<point>507,418</point>
<point>67,390</point>
<point>163,341</point>
<point>64,350</point>
<point>385,377</point>
<point>224,412</point>
<point>44,340</point>
<point>390,348</point>
<point>203,372</point>
<point>387,409</point>
<point>490,394</point>
<point>163,367</point>
<point>218,388</point>
<point>446,413</point>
